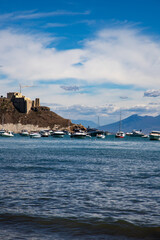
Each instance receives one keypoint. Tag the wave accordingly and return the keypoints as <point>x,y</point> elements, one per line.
<point>82,227</point>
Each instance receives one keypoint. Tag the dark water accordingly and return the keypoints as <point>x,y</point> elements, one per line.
<point>79,189</point>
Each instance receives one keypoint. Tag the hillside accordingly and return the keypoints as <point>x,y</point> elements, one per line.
<point>40,116</point>
<point>85,123</point>
<point>145,123</point>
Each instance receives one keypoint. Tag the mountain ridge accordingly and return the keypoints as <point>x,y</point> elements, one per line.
<point>144,123</point>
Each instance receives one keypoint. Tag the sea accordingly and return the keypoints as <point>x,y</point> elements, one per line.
<point>66,188</point>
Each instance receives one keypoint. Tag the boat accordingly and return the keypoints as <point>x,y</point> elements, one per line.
<point>7,134</point>
<point>35,135</point>
<point>120,134</point>
<point>24,133</point>
<point>100,136</point>
<point>154,135</point>
<point>58,134</point>
<point>136,133</point>
<point>2,131</point>
<point>78,134</point>
<point>44,134</point>
<point>93,132</point>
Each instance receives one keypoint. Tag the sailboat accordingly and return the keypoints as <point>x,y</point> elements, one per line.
<point>100,134</point>
<point>120,134</point>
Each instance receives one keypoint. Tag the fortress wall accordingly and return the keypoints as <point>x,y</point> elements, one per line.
<point>28,105</point>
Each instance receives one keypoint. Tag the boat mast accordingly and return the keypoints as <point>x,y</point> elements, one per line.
<point>120,123</point>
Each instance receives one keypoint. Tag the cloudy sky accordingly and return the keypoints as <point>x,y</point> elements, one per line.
<point>84,58</point>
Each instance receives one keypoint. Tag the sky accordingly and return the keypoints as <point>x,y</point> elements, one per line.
<point>85,59</point>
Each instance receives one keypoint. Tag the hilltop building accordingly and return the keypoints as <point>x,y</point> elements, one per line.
<point>22,103</point>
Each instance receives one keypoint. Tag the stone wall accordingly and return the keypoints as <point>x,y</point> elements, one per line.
<point>17,128</point>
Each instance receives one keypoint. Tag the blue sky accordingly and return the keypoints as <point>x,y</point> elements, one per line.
<point>84,58</point>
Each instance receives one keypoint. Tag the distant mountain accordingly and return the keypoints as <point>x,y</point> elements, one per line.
<point>146,124</point>
<point>85,123</point>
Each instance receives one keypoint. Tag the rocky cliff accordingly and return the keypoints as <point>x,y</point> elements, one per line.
<point>41,117</point>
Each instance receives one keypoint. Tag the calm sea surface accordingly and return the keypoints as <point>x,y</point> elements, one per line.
<point>79,189</point>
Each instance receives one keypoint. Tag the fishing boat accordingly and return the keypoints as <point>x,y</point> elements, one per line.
<point>154,135</point>
<point>58,134</point>
<point>7,134</point>
<point>120,134</point>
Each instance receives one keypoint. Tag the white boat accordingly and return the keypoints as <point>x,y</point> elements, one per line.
<point>136,133</point>
<point>2,131</point>
<point>59,134</point>
<point>100,136</point>
<point>78,134</point>
<point>35,135</point>
<point>24,133</point>
<point>120,134</point>
<point>44,134</point>
<point>154,135</point>
<point>7,134</point>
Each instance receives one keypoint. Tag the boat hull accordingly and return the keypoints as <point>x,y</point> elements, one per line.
<point>156,138</point>
<point>58,135</point>
<point>120,135</point>
<point>7,135</point>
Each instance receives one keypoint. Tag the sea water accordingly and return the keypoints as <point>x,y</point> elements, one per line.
<point>79,188</point>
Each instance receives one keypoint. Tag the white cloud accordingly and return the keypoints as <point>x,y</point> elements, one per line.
<point>32,14</point>
<point>114,56</point>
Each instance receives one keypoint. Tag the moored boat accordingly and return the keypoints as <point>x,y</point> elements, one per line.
<point>24,133</point>
<point>100,136</point>
<point>120,134</point>
<point>7,134</point>
<point>154,135</point>
<point>136,133</point>
<point>2,131</point>
<point>35,135</point>
<point>79,134</point>
<point>44,134</point>
<point>58,134</point>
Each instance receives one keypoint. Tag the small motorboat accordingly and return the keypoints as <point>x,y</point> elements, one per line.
<point>35,135</point>
<point>79,134</point>
<point>24,133</point>
<point>120,134</point>
<point>44,134</point>
<point>100,136</point>
<point>58,134</point>
<point>154,135</point>
<point>2,131</point>
<point>7,134</point>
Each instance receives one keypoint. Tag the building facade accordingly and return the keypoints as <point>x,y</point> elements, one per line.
<point>22,103</point>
